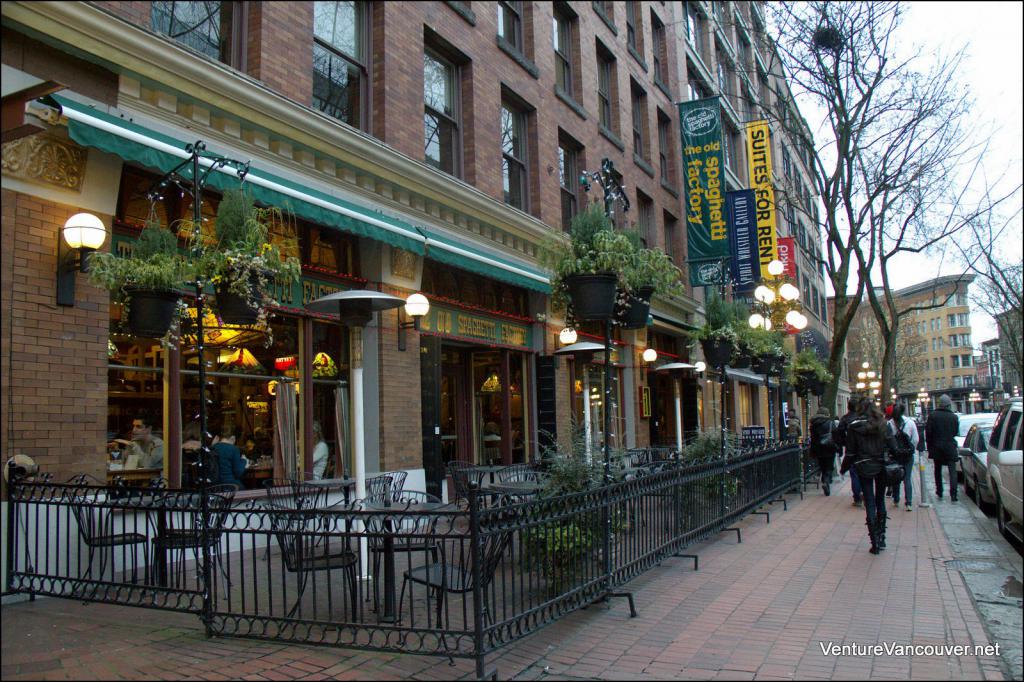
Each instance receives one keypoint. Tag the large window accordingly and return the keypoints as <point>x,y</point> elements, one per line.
<point>607,90</point>
<point>212,28</point>
<point>670,236</point>
<point>695,28</point>
<point>665,158</point>
<point>568,179</point>
<point>339,60</point>
<point>634,28</point>
<point>513,155</point>
<point>645,220</point>
<point>440,115</point>
<point>562,31</point>
<point>135,414</point>
<point>510,23</point>
<point>660,50</point>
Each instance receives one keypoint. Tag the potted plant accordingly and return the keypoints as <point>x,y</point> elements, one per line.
<point>146,281</point>
<point>589,267</point>
<point>242,262</point>
<point>767,350</point>
<point>649,272</point>
<point>717,335</point>
<point>807,373</point>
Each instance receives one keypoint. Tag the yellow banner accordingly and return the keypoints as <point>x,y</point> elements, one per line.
<point>759,152</point>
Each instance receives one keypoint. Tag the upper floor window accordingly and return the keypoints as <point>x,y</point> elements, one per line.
<point>607,90</point>
<point>731,145</point>
<point>696,90</point>
<point>562,39</point>
<point>645,219</point>
<point>339,62</point>
<point>510,23</point>
<point>695,28</point>
<point>665,149</point>
<point>212,28</point>
<point>639,102</point>
<point>659,46</point>
<point>568,179</point>
<point>634,27</point>
<point>440,113</point>
<point>670,236</point>
<point>513,155</point>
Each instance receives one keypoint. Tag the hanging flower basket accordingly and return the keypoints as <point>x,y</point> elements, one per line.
<point>765,364</point>
<point>741,357</point>
<point>235,308</point>
<point>633,314</point>
<point>717,352</point>
<point>592,295</point>
<point>151,312</point>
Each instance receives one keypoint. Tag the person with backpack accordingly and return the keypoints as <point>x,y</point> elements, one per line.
<point>941,430</point>
<point>839,438</point>
<point>904,431</point>
<point>823,446</point>
<point>867,442</point>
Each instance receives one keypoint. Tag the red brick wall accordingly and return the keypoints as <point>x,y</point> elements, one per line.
<point>54,402</point>
<point>137,13</point>
<point>283,59</point>
<point>401,427</point>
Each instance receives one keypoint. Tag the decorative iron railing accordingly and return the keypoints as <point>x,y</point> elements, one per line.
<point>409,576</point>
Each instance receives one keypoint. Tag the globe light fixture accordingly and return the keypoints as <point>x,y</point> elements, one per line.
<point>82,234</point>
<point>793,318</point>
<point>801,321</point>
<point>788,292</point>
<point>700,366</point>
<point>776,301</point>
<point>764,294</point>
<point>776,268</point>
<point>567,336</point>
<point>756,320</point>
<point>650,355</point>
<point>416,306</point>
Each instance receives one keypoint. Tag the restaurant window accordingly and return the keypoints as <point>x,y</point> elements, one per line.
<point>440,115</point>
<point>749,413</point>
<point>638,99</point>
<point>213,28</point>
<point>339,60</point>
<point>607,89</point>
<point>568,179</point>
<point>589,379</point>
<point>246,367</point>
<point>510,23</point>
<point>562,39</point>
<point>135,408</point>
<point>513,155</point>
<point>660,50</point>
<point>665,158</point>
<point>327,250</point>
<point>331,409</point>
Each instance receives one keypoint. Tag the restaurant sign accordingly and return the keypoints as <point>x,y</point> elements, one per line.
<point>700,126</point>
<point>491,330</point>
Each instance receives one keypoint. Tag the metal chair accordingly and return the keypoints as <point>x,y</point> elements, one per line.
<point>184,528</point>
<point>463,473</point>
<point>287,493</point>
<point>378,488</point>
<point>518,473</point>
<point>304,552</point>
<point>96,528</point>
<point>397,483</point>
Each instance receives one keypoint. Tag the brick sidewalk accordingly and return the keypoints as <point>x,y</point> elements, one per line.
<point>755,610</point>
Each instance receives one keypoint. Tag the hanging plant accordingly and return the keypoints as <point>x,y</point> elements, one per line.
<point>807,371</point>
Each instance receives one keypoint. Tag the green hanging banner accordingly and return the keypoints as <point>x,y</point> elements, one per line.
<point>700,125</point>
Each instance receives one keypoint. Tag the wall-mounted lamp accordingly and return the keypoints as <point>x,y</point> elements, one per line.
<point>650,355</point>
<point>416,307</point>
<point>82,234</point>
<point>699,366</point>
<point>568,336</point>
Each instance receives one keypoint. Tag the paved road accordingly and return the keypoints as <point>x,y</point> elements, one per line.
<point>759,609</point>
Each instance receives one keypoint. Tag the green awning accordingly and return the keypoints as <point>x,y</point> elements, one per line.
<point>458,254</point>
<point>133,142</point>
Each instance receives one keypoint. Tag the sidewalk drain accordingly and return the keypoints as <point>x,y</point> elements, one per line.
<point>970,565</point>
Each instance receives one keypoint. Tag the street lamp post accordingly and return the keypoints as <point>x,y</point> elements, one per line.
<point>867,382</point>
<point>776,301</point>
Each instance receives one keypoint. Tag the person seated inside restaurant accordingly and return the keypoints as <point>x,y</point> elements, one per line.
<point>321,452</point>
<point>144,449</point>
<point>231,466</point>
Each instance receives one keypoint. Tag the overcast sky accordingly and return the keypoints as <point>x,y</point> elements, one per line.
<point>992,74</point>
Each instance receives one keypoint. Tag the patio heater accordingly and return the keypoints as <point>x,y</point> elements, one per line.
<point>584,352</point>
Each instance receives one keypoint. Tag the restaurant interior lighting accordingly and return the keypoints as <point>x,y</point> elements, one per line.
<point>492,384</point>
<point>82,234</point>
<point>416,307</point>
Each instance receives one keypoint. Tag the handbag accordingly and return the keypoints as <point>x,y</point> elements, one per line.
<point>894,473</point>
<point>868,467</point>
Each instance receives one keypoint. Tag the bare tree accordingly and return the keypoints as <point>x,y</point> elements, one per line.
<point>864,340</point>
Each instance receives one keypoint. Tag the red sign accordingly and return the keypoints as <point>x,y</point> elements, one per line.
<point>787,254</point>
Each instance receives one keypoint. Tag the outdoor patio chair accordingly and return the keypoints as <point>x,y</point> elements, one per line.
<point>454,574</point>
<point>96,529</point>
<point>287,493</point>
<point>304,551</point>
<point>518,473</point>
<point>462,474</point>
<point>397,483</point>
<point>378,488</point>
<point>183,531</point>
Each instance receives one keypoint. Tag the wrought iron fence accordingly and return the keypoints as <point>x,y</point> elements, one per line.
<point>409,576</point>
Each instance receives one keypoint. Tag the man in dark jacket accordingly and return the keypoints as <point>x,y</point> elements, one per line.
<point>823,448</point>
<point>941,430</point>
<point>839,435</point>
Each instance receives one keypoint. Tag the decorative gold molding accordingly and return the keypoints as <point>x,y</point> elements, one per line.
<point>46,159</point>
<point>403,263</point>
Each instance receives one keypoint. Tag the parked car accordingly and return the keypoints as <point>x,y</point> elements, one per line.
<point>1004,468</point>
<point>974,462</point>
<point>966,422</point>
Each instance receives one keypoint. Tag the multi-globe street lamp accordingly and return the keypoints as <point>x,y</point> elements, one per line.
<point>923,399</point>
<point>776,301</point>
<point>867,381</point>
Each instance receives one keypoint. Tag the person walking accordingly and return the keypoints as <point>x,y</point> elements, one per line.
<point>793,430</point>
<point>941,430</point>
<point>867,441</point>
<point>904,431</point>
<point>839,438</point>
<point>823,447</point>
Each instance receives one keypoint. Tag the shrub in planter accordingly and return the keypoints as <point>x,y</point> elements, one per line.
<point>766,349</point>
<point>649,272</point>
<point>589,267</point>
<point>243,263</point>
<point>718,335</point>
<point>147,281</point>
<point>807,372</point>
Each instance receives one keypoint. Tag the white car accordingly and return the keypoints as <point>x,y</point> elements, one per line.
<point>966,422</point>
<point>1004,468</point>
<point>974,462</point>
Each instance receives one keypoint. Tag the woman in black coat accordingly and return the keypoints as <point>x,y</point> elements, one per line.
<point>823,448</point>
<point>867,440</point>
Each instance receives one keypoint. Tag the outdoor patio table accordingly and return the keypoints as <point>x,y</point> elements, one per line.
<point>389,545</point>
<point>490,470</point>
<point>347,485</point>
<point>519,488</point>
<point>148,503</point>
